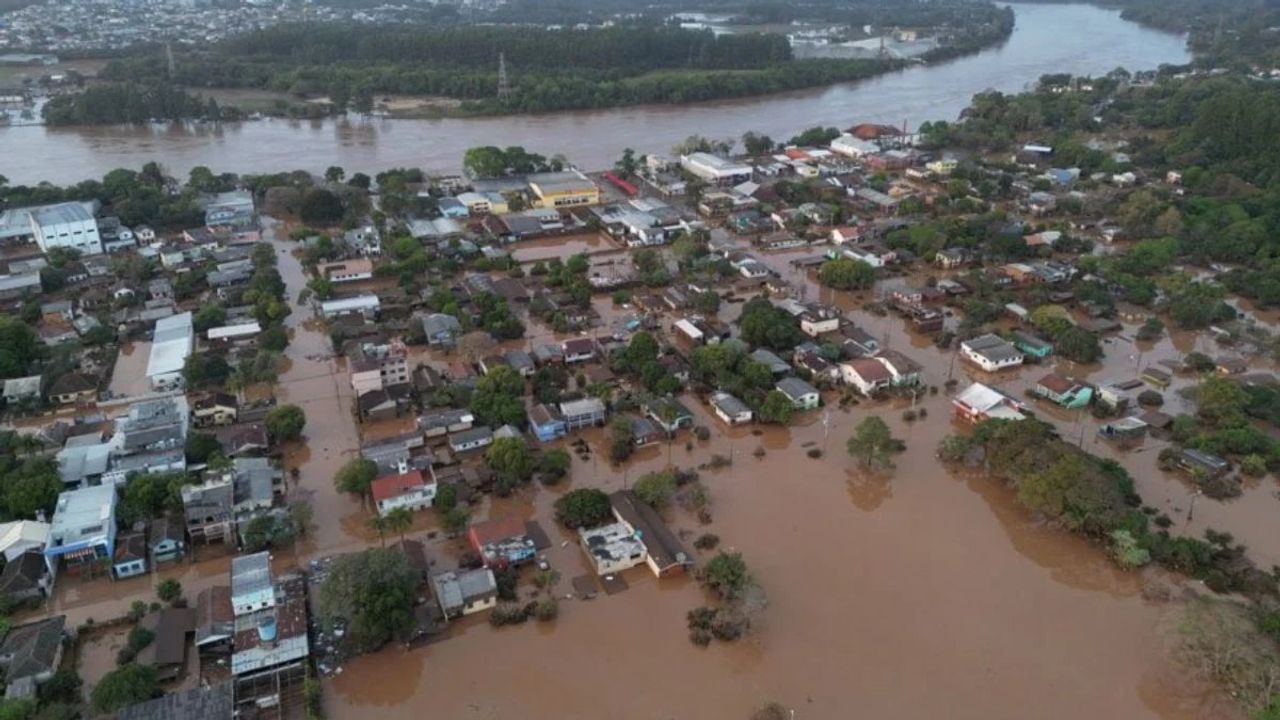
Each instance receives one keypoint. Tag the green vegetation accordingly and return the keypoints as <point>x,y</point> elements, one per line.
<point>356,476</point>
<point>125,686</point>
<point>727,575</point>
<point>373,592</point>
<point>847,274</point>
<point>583,507</point>
<point>656,489</point>
<point>285,422</point>
<point>765,325</point>
<point>29,482</point>
<point>497,399</point>
<point>131,102</point>
<point>511,461</point>
<point>873,443</point>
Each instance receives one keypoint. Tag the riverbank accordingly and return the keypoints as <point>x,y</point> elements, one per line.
<point>1046,39</point>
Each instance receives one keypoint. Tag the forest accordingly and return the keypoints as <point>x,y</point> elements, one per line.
<point>549,68</point>
<point>130,102</point>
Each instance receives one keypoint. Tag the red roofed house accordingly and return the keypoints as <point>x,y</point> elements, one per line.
<point>866,374</point>
<point>408,489</point>
<point>501,542</point>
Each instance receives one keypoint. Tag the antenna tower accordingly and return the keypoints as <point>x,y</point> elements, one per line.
<point>504,84</point>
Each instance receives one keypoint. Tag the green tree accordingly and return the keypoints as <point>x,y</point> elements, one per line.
<point>19,347</point>
<point>285,422</point>
<point>356,476</point>
<point>847,274</point>
<point>1078,345</point>
<point>1221,402</point>
<point>400,521</point>
<point>455,520</point>
<point>497,399</point>
<point>554,464</point>
<point>776,408</point>
<point>209,316</point>
<point>169,590</point>
<point>510,459</point>
<point>583,507</point>
<point>757,144</point>
<point>656,489</point>
<point>125,686</point>
<point>320,206</point>
<point>373,592</point>
<point>335,174</point>
<point>727,575</point>
<point>872,442</point>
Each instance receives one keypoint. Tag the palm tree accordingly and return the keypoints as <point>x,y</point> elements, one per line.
<point>379,524</point>
<point>399,520</point>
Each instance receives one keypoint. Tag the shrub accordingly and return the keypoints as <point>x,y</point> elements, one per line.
<point>546,609</point>
<point>706,541</point>
<point>169,590</point>
<point>508,614</point>
<point>1150,398</point>
<point>814,453</point>
<point>1253,465</point>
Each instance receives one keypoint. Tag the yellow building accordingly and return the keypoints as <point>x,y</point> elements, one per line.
<point>563,189</point>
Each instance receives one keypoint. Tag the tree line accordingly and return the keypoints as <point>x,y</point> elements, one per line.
<point>131,102</point>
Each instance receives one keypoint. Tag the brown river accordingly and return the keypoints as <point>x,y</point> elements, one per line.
<point>1047,39</point>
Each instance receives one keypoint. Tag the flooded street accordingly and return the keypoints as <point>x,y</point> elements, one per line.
<point>1079,39</point>
<point>317,382</point>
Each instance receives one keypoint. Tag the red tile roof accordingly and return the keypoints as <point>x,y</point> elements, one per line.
<point>389,486</point>
<point>491,531</point>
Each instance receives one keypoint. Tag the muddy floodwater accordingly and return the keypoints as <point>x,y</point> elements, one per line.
<point>914,593</point>
<point>1079,39</point>
<point>907,595</point>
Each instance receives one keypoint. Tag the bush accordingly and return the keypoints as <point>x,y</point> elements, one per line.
<point>700,637</point>
<point>656,489</point>
<point>1253,465</point>
<point>814,453</point>
<point>726,574</point>
<point>547,609</point>
<point>508,614</point>
<point>771,711</point>
<point>169,590</point>
<point>706,541</point>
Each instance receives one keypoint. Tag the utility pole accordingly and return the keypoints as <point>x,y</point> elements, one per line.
<point>168,51</point>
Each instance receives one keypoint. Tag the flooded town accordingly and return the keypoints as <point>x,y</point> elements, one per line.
<point>793,415</point>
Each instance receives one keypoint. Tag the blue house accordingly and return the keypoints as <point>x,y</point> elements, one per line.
<point>546,423</point>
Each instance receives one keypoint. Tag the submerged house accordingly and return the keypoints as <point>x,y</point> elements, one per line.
<point>1063,391</point>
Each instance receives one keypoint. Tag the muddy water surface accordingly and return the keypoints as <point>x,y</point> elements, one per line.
<point>911,594</point>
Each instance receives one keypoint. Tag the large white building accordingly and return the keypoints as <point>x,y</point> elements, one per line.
<point>715,169</point>
<point>173,341</point>
<point>66,225</point>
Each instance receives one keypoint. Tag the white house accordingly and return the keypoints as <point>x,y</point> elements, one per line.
<point>366,305</point>
<point>869,375</point>
<point>66,225</point>
<point>991,352</point>
<point>853,147</point>
<point>730,409</point>
<point>714,169</point>
<point>408,490</point>
<point>802,395</point>
<point>979,402</point>
<point>613,548</point>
